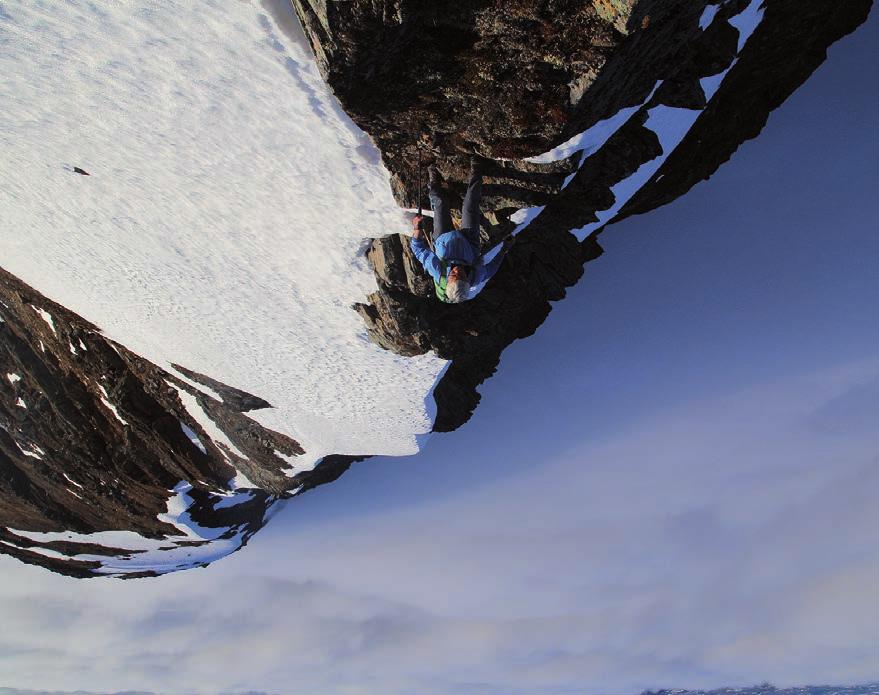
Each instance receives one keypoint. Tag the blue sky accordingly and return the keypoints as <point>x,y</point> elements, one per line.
<point>672,484</point>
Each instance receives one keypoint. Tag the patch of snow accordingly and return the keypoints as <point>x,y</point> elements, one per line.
<point>112,408</point>
<point>125,540</point>
<point>13,378</point>
<point>525,216</point>
<point>708,16</point>
<point>747,21</point>
<point>206,390</point>
<point>233,499</point>
<point>42,347</point>
<point>45,552</point>
<point>241,482</point>
<point>21,404</point>
<point>293,462</point>
<point>592,139</point>
<point>193,437</point>
<point>209,426</point>
<point>178,516</point>
<point>587,142</point>
<point>72,349</point>
<point>32,450</point>
<point>46,316</point>
<point>670,125</point>
<point>82,346</point>
<point>71,480</point>
<point>221,226</point>
<point>174,552</point>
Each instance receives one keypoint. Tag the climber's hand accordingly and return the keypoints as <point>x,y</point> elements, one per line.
<point>416,226</point>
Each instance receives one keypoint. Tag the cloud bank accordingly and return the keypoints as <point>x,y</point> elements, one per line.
<point>730,541</point>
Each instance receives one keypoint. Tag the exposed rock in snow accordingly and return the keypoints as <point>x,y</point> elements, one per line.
<point>98,478</point>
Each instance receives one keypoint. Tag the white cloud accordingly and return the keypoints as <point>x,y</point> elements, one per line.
<point>729,541</point>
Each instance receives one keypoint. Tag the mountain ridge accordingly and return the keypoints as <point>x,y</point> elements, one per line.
<point>97,439</point>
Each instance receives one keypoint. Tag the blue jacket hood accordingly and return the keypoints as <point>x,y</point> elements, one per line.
<point>454,246</point>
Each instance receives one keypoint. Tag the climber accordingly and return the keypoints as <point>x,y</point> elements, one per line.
<point>455,264</point>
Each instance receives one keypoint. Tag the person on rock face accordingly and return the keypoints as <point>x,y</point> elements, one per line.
<point>455,264</point>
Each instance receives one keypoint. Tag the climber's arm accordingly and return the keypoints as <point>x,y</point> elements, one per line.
<point>425,256</point>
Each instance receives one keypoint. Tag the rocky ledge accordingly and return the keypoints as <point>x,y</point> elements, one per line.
<point>662,91</point>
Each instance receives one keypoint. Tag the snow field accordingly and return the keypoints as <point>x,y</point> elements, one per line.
<point>223,222</point>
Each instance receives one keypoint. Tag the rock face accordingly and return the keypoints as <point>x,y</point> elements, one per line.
<point>94,439</point>
<point>509,81</point>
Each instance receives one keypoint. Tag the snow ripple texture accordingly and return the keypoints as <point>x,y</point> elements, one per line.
<point>223,223</point>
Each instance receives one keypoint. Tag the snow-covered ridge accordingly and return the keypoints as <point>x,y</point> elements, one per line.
<point>195,545</point>
<point>670,125</point>
<point>222,225</point>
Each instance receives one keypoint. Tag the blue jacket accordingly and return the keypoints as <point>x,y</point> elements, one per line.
<point>451,247</point>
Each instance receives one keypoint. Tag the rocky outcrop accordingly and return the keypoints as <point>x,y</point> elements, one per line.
<point>509,81</point>
<point>93,438</point>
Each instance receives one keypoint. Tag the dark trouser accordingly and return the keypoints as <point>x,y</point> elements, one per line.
<point>442,217</point>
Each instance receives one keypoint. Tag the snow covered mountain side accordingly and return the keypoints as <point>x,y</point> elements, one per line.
<point>179,179</point>
<point>112,465</point>
<point>193,221</point>
<point>584,113</point>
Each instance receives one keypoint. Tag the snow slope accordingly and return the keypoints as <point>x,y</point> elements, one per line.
<point>222,223</point>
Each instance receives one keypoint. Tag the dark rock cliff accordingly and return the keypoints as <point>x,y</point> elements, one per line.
<point>94,438</point>
<point>508,81</point>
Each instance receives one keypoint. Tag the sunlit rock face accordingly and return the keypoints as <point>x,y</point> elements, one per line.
<point>585,113</point>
